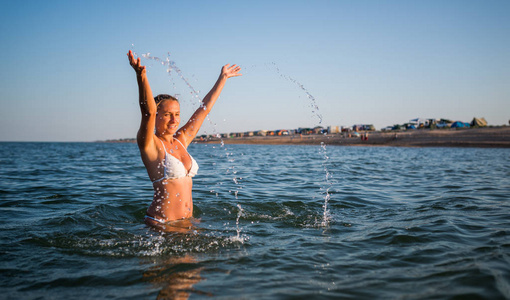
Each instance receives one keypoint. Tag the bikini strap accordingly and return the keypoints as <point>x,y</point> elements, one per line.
<point>181,144</point>
<point>164,148</point>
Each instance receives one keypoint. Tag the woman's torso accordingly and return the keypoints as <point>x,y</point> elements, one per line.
<point>172,199</point>
<point>171,176</point>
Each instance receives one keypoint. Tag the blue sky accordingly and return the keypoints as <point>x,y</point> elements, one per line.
<point>66,77</point>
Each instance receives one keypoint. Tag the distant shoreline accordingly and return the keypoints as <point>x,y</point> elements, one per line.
<point>486,137</point>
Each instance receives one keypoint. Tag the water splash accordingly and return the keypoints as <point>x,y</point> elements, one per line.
<point>239,238</point>
<point>326,218</point>
<point>171,67</point>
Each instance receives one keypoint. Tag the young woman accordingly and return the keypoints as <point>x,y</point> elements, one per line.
<point>163,145</point>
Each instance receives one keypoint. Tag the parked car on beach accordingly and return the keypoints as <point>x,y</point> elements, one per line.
<point>442,124</point>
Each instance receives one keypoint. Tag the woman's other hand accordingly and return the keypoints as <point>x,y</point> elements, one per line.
<point>230,71</point>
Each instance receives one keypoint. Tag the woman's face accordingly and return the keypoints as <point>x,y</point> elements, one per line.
<point>169,117</point>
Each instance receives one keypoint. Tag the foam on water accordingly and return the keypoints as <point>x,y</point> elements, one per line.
<point>139,241</point>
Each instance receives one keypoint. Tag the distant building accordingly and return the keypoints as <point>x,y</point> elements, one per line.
<point>305,131</point>
<point>363,127</point>
<point>333,129</point>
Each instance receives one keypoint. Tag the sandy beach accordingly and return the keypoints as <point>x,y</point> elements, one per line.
<point>488,137</point>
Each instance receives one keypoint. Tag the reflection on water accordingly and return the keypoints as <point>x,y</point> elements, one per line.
<point>174,277</point>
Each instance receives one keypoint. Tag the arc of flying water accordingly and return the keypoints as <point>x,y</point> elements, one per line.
<point>313,101</point>
<point>326,218</point>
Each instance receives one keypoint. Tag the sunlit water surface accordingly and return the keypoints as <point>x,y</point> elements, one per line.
<point>402,223</point>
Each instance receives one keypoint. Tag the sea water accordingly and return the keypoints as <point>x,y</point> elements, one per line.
<point>403,223</point>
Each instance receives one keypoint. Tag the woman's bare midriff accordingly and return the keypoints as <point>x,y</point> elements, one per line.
<point>172,199</point>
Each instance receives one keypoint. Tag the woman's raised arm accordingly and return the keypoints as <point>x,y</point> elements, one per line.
<point>145,136</point>
<point>188,132</point>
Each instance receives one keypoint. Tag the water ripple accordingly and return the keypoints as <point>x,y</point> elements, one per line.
<point>405,223</point>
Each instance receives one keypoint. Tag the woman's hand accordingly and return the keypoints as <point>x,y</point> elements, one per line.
<point>136,64</point>
<point>230,71</point>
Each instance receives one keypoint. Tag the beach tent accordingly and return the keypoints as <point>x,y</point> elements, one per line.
<point>478,122</point>
<point>459,124</point>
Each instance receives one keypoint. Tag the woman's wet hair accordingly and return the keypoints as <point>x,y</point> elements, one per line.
<point>162,97</point>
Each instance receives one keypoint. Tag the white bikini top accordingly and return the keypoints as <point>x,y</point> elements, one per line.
<point>174,168</point>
